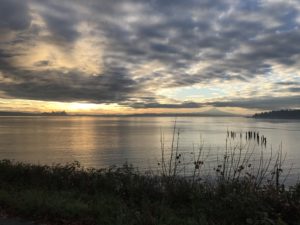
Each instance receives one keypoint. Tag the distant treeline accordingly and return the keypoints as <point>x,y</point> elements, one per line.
<point>281,114</point>
<point>61,113</point>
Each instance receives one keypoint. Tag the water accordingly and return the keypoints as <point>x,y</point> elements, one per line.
<point>105,141</point>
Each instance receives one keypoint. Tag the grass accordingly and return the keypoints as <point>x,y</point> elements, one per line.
<point>240,192</point>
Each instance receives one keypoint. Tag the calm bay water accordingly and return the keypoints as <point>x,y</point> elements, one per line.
<point>105,141</point>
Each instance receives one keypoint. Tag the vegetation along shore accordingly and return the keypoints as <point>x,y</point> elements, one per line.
<point>279,114</point>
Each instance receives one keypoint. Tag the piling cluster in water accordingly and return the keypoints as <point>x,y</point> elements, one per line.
<point>249,135</point>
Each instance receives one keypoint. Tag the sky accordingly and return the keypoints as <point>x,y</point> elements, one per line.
<point>149,56</point>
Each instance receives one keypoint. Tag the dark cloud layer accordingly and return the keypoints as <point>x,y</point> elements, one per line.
<point>113,87</point>
<point>235,40</point>
<point>61,20</point>
<point>14,15</point>
<point>263,103</point>
<point>184,105</point>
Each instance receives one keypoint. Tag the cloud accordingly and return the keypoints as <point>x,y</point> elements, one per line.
<point>288,83</point>
<point>42,63</point>
<point>184,105</point>
<point>14,15</point>
<point>72,86</point>
<point>295,89</point>
<point>60,18</point>
<point>264,103</point>
<point>94,50</point>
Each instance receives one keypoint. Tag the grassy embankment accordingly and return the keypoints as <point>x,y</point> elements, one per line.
<point>70,194</point>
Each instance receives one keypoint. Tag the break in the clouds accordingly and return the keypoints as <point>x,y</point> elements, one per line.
<point>152,54</point>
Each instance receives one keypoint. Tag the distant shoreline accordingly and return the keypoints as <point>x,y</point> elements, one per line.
<point>123,116</point>
<point>280,114</point>
<point>7,114</point>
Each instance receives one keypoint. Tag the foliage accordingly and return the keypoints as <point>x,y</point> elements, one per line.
<point>70,194</point>
<point>280,114</point>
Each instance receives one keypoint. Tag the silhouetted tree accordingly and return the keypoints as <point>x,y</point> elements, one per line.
<point>281,114</point>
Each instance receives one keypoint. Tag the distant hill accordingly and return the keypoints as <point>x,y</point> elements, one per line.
<point>281,114</point>
<point>12,113</point>
<point>209,113</point>
<point>216,112</point>
<point>6,113</point>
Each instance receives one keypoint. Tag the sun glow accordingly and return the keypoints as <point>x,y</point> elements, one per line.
<point>87,108</point>
<point>81,106</point>
<point>68,107</point>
